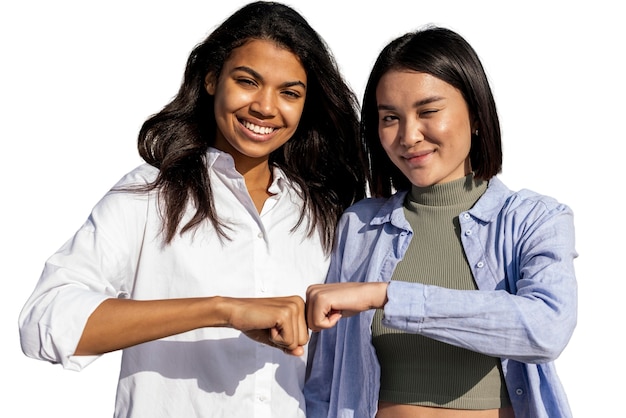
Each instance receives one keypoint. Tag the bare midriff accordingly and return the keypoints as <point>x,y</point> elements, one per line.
<point>394,410</point>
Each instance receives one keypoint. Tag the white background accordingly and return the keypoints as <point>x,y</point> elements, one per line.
<point>77,79</point>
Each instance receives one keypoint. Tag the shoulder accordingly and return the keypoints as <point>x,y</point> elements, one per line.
<point>368,205</point>
<point>375,212</point>
<point>366,209</point>
<point>126,199</point>
<point>522,214</point>
<point>140,176</point>
<point>499,200</point>
<point>531,202</point>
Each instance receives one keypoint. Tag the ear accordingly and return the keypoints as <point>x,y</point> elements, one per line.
<point>209,83</point>
<point>475,125</point>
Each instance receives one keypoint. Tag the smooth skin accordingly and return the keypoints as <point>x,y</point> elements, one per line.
<point>259,99</point>
<point>425,128</point>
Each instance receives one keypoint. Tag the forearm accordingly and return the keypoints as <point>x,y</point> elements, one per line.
<point>495,323</point>
<point>121,323</point>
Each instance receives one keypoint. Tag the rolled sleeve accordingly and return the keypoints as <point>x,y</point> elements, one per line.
<point>53,331</point>
<point>405,308</point>
<point>89,268</point>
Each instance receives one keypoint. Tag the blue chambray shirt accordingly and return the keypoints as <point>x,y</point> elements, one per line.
<point>520,248</point>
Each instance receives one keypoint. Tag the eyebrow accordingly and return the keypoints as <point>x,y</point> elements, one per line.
<point>418,103</point>
<point>258,76</point>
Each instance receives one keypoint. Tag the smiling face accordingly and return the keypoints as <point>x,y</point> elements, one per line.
<point>259,98</point>
<point>424,126</point>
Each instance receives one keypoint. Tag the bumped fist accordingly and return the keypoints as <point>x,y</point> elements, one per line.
<point>326,304</point>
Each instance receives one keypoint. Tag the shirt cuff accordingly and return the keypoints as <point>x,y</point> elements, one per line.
<point>405,307</point>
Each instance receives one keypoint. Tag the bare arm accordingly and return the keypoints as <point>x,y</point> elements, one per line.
<point>121,323</point>
<point>327,303</point>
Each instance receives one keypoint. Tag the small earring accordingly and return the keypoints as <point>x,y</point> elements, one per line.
<point>476,132</point>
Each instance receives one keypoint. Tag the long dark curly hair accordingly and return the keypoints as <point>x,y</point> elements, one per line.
<point>325,157</point>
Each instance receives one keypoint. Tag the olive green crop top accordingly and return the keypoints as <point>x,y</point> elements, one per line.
<point>418,370</point>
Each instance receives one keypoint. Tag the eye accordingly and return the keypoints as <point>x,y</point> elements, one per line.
<point>292,94</point>
<point>428,112</point>
<point>246,82</point>
<point>387,119</point>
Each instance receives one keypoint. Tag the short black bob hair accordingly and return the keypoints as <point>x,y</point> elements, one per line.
<point>446,55</point>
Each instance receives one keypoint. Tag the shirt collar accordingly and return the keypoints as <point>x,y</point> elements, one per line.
<point>391,211</point>
<point>223,162</point>
<point>486,208</point>
<point>489,205</point>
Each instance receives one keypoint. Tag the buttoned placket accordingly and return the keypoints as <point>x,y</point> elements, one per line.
<point>264,376</point>
<point>518,394</point>
<point>477,261</point>
<point>262,247</point>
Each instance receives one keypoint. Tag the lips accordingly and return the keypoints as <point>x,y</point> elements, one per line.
<point>417,156</point>
<point>257,129</point>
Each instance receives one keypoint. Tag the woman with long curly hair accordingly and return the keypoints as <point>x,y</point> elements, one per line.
<point>196,263</point>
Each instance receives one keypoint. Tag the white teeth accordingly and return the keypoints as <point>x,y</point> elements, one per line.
<point>263,130</point>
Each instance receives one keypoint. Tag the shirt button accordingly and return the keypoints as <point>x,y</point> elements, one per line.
<point>260,235</point>
<point>519,391</point>
<point>466,215</point>
<point>480,264</point>
<point>468,232</point>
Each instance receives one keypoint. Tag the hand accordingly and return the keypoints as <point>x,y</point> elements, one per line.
<point>278,322</point>
<point>264,336</point>
<point>327,303</point>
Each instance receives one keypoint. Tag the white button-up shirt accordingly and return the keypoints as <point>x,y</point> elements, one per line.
<point>118,253</point>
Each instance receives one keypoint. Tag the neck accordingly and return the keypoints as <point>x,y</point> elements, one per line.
<point>258,180</point>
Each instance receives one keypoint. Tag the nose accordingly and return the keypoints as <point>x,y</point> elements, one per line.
<point>264,103</point>
<point>410,133</point>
